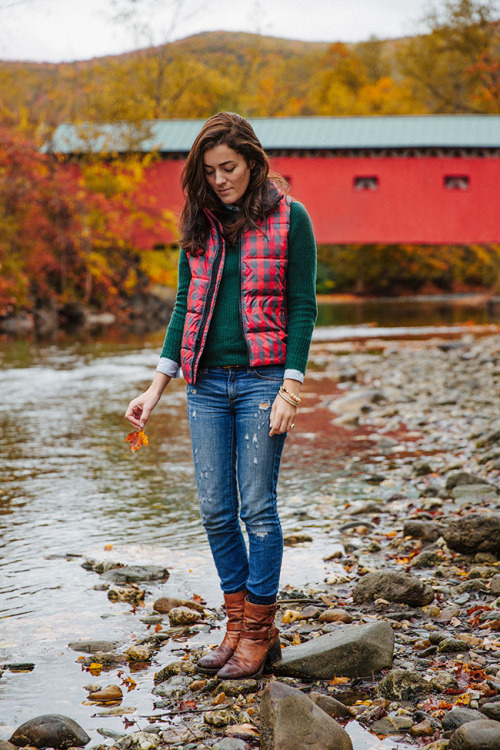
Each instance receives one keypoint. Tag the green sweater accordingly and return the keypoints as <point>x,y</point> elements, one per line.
<point>225,344</point>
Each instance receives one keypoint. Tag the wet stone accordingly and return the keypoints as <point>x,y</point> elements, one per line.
<point>50,730</point>
<point>474,533</point>
<point>402,684</point>
<point>394,586</point>
<point>238,687</point>
<point>139,741</point>
<point>165,603</point>
<point>173,688</point>
<point>136,574</point>
<point>427,531</point>
<point>458,716</point>
<point>179,616</point>
<point>460,478</point>
<point>330,705</point>
<point>476,735</point>
<point>495,584</point>
<point>92,647</point>
<point>491,710</point>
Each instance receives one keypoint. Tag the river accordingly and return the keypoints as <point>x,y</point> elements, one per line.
<point>71,490</point>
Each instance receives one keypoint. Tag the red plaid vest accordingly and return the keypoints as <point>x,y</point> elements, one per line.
<point>264,254</point>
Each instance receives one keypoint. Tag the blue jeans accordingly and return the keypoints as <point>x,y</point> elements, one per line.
<point>228,412</point>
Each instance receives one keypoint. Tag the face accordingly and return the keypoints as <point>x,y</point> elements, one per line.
<point>227,172</point>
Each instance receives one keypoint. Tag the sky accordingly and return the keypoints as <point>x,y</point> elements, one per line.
<point>67,30</point>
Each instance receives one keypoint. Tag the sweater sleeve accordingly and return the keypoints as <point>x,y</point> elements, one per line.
<point>301,288</point>
<point>173,338</point>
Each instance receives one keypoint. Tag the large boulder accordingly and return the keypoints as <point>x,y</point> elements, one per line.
<point>395,586</point>
<point>50,730</point>
<point>474,533</point>
<point>483,734</point>
<point>349,651</point>
<point>291,721</point>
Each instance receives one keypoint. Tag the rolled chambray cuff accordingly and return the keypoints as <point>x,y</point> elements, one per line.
<point>294,375</point>
<point>168,367</point>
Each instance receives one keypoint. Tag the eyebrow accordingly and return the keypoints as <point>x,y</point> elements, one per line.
<point>223,164</point>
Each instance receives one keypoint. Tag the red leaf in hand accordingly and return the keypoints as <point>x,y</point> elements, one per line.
<point>136,439</point>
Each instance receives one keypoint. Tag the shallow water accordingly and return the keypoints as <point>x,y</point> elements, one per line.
<point>70,489</point>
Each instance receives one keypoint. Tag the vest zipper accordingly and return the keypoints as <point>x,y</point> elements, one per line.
<point>206,311</point>
<point>240,305</point>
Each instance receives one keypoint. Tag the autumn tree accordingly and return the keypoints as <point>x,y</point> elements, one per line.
<point>68,232</point>
<point>453,68</point>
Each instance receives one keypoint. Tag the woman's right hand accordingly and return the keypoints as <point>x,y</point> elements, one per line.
<point>140,408</point>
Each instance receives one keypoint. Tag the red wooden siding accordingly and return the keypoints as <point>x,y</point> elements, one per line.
<point>411,203</point>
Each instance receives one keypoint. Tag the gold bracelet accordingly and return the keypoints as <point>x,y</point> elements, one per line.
<point>288,400</point>
<point>295,398</point>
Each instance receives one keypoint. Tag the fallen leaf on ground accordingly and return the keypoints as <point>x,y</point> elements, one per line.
<point>136,439</point>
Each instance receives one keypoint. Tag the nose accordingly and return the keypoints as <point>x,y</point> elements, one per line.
<point>219,178</point>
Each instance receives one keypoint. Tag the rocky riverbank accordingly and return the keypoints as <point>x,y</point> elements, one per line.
<point>399,646</point>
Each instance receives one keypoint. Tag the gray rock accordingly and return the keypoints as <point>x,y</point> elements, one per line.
<point>460,478</point>
<point>483,734</point>
<point>173,688</point>
<point>329,705</point>
<point>488,438</point>
<point>356,401</point>
<point>238,687</point>
<point>495,584</point>
<point>458,716</point>
<point>427,531</point>
<point>139,741</point>
<point>474,533</point>
<point>491,710</point>
<point>349,651</point>
<point>451,646</point>
<point>427,559</point>
<point>92,647</point>
<point>392,725</point>
<point>401,684</point>
<point>291,721</point>
<point>50,730</point>
<point>421,467</point>
<point>230,743</point>
<point>4,745</point>
<point>395,586</point>
<point>474,494</point>
<point>136,573</point>
<point>442,681</point>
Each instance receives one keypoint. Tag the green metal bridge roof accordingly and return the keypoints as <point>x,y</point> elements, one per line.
<point>288,133</point>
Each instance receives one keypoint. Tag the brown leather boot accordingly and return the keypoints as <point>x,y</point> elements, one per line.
<point>259,643</point>
<point>212,662</point>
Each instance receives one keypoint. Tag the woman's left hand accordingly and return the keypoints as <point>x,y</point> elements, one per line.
<point>282,413</point>
<point>282,416</point>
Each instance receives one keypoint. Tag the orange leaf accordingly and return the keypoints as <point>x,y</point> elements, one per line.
<point>136,439</point>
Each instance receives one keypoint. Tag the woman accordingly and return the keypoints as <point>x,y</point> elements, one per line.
<point>241,330</point>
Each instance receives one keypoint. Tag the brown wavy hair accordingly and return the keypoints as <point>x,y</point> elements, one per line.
<point>260,196</point>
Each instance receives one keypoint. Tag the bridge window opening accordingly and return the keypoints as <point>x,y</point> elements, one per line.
<point>456,182</point>
<point>366,182</point>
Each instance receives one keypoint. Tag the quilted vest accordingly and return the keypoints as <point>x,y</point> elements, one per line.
<point>264,255</point>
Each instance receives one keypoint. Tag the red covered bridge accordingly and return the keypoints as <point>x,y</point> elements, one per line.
<point>426,179</point>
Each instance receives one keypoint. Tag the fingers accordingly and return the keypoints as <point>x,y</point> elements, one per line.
<point>282,417</point>
<point>135,414</point>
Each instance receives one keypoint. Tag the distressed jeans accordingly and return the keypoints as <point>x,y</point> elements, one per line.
<point>236,469</point>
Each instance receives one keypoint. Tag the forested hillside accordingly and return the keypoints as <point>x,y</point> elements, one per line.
<point>68,238</point>
<point>452,69</point>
